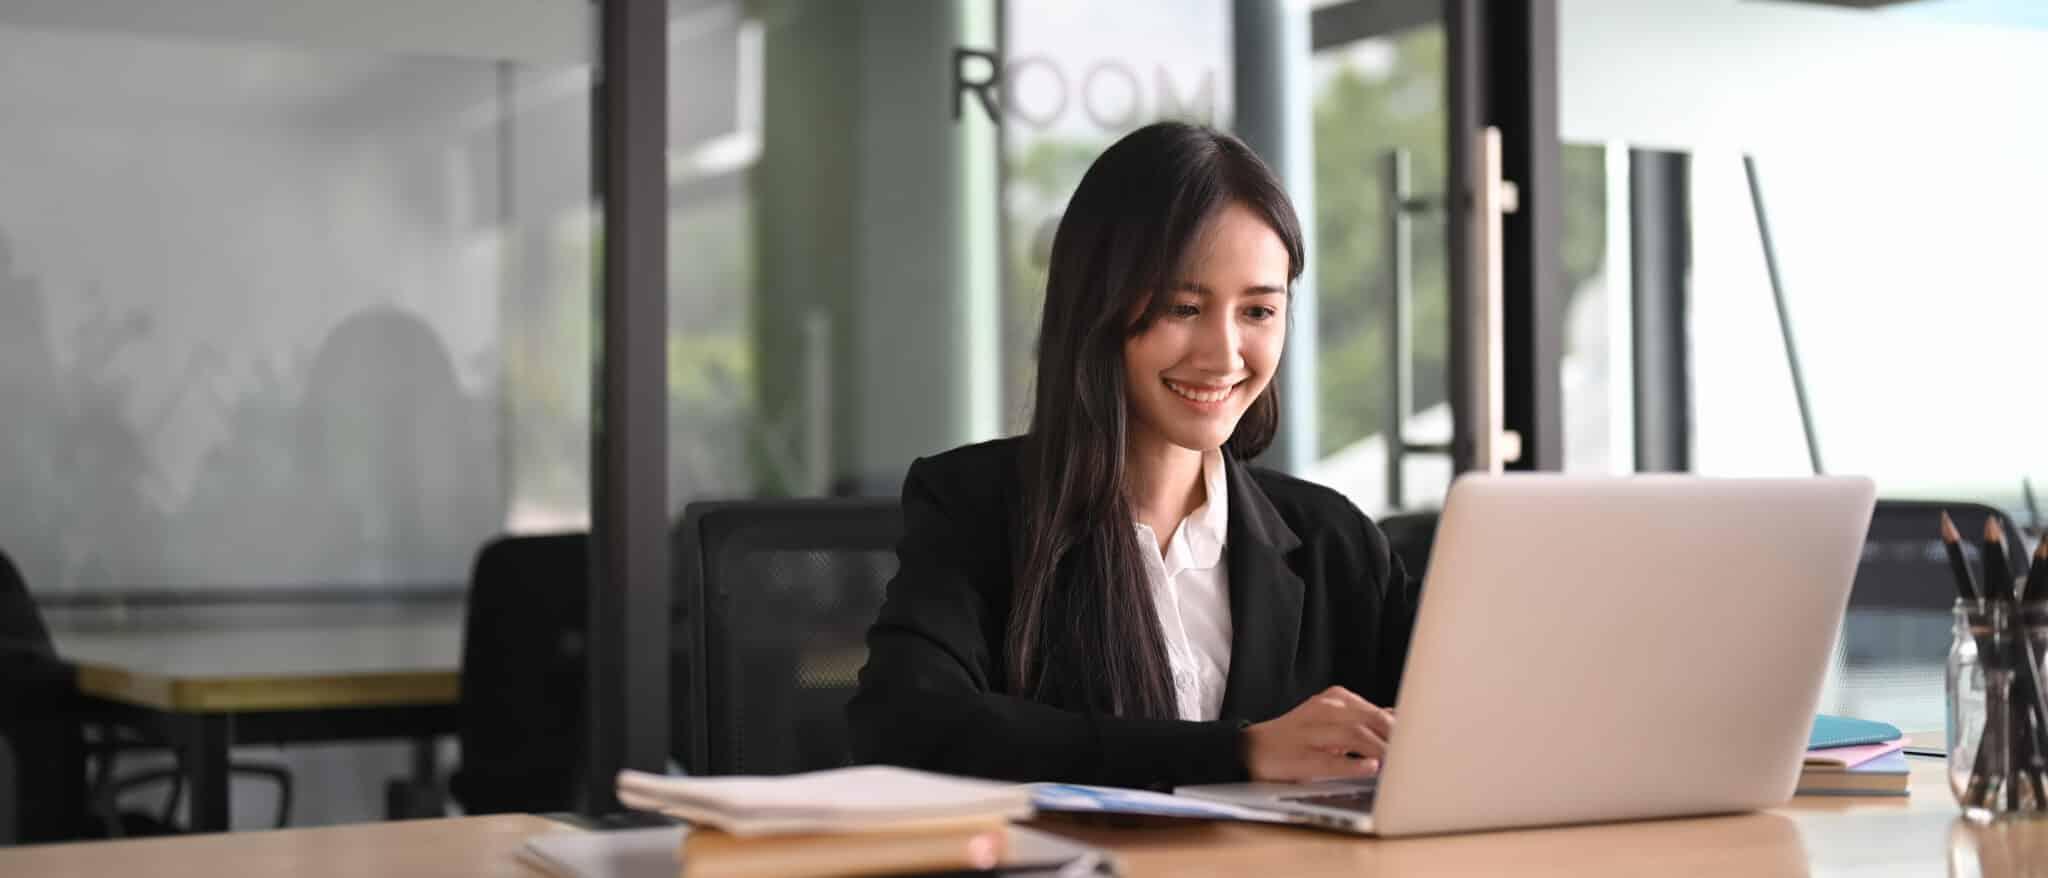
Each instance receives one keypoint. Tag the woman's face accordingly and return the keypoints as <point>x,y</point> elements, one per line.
<point>1193,372</point>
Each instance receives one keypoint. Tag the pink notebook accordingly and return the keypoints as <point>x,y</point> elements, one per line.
<point>1850,757</point>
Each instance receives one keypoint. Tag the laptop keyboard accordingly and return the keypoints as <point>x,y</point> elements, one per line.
<point>1360,801</point>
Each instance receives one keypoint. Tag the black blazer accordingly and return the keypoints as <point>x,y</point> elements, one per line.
<point>1316,599</point>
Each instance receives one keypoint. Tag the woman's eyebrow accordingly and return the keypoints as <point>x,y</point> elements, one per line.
<point>1188,286</point>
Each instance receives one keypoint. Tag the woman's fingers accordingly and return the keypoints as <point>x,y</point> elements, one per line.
<point>1343,705</point>
<point>1381,723</point>
<point>1341,738</point>
<point>1333,733</point>
<point>1321,766</point>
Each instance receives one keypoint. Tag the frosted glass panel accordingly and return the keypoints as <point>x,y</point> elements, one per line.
<point>265,302</point>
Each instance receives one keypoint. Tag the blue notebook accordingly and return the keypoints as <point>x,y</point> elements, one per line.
<point>1842,731</point>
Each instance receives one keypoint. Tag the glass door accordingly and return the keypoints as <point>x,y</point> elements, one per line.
<point>1382,258</point>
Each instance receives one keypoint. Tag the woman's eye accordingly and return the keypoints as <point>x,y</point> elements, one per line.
<point>1183,309</point>
<point>1261,312</point>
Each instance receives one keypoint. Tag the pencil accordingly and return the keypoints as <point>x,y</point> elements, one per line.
<point>2037,578</point>
<point>2033,511</point>
<point>1966,582</point>
<point>1998,580</point>
<point>2032,697</point>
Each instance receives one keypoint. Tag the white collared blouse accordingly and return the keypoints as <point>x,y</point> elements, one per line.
<point>1191,590</point>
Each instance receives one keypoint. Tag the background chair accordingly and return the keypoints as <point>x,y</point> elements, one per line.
<point>521,719</point>
<point>1899,626</point>
<point>1904,565</point>
<point>47,737</point>
<point>36,688</point>
<point>9,822</point>
<point>1411,535</point>
<point>775,600</point>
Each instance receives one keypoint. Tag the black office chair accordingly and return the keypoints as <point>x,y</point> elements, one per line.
<point>522,711</point>
<point>36,687</point>
<point>1904,565</point>
<point>10,827</point>
<point>48,740</point>
<point>1411,535</point>
<point>1898,627</point>
<point>776,598</point>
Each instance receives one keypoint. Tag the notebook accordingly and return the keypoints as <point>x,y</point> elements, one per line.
<point>1842,731</point>
<point>1850,757</point>
<point>1887,775</point>
<point>1082,799</point>
<point>626,853</point>
<point>859,799</point>
<point>714,853</point>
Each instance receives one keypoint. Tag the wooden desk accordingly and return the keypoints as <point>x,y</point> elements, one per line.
<point>478,846</point>
<point>1892,836</point>
<point>1919,835</point>
<point>207,687</point>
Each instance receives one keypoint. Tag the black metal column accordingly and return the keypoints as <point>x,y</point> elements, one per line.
<point>1501,61</point>
<point>1660,247</point>
<point>1521,81</point>
<point>203,748</point>
<point>629,596</point>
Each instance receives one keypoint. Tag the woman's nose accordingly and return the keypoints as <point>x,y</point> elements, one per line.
<point>1220,346</point>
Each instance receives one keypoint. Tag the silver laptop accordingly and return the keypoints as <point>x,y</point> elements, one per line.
<point>1594,649</point>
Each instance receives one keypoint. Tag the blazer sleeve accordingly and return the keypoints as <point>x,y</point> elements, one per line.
<point>931,695</point>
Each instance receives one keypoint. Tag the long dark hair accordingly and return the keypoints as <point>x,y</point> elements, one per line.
<point>1083,632</point>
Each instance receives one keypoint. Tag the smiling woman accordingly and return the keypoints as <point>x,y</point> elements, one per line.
<point>1117,595</point>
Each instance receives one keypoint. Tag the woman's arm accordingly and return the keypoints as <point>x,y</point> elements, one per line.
<point>931,694</point>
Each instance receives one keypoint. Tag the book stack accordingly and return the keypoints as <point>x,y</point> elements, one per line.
<point>869,820</point>
<point>1848,757</point>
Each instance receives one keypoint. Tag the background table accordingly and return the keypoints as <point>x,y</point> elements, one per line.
<point>291,679</point>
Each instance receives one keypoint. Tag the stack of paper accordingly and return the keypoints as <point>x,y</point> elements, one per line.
<point>870,820</point>
<point>860,799</point>
<point>665,852</point>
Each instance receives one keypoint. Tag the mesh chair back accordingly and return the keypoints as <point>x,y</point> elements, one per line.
<point>39,799</point>
<point>1411,535</point>
<point>522,709</point>
<point>29,667</point>
<point>21,624</point>
<point>776,597</point>
<point>1904,565</point>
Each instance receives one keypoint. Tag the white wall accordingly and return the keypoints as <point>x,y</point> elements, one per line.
<point>1899,158</point>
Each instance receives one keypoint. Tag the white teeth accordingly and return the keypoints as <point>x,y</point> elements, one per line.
<point>1201,396</point>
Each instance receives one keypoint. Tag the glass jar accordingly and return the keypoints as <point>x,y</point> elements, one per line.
<point>1995,850</point>
<point>1997,737</point>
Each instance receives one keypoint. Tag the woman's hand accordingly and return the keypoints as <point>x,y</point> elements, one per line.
<point>1333,734</point>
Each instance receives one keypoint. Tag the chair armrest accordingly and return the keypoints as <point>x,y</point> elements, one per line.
<point>9,793</point>
<point>108,795</point>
